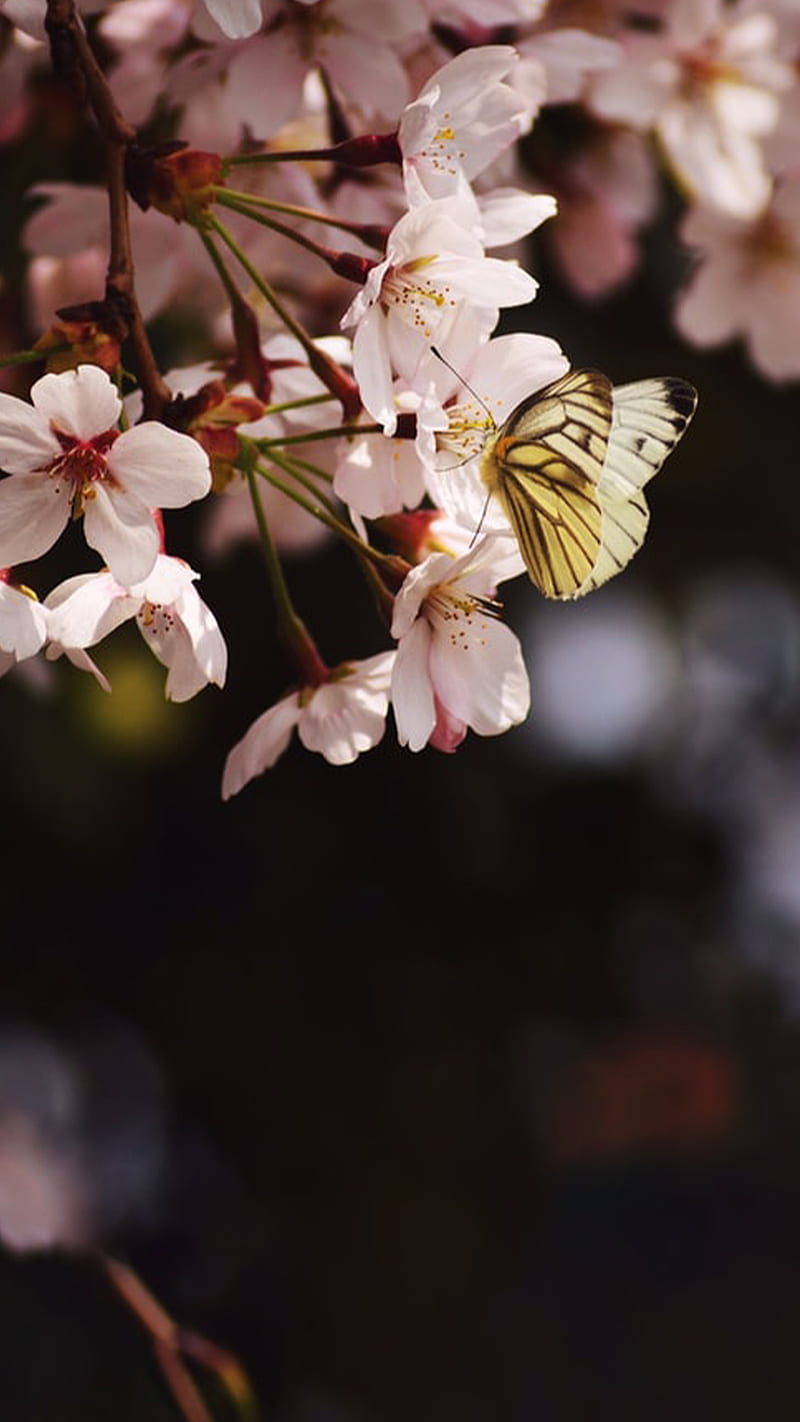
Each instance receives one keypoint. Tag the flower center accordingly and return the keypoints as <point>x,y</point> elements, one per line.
<point>414,298</point>
<point>462,617</point>
<point>83,462</point>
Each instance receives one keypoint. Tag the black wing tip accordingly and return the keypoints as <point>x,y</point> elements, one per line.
<point>682,394</point>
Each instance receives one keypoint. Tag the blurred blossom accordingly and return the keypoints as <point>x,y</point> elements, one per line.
<point>739,685</point>
<point>772,852</point>
<point>81,1137</point>
<point>603,673</point>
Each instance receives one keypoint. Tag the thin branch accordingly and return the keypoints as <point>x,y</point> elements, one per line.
<point>73,56</point>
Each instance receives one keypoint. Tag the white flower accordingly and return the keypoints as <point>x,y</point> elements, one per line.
<point>464,117</point>
<point>458,666</point>
<point>342,717</point>
<point>181,632</point>
<point>23,626</point>
<point>377,474</point>
<point>64,454</point>
<point>434,266</point>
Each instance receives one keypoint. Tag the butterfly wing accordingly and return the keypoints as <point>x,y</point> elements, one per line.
<point>650,417</point>
<point>545,464</point>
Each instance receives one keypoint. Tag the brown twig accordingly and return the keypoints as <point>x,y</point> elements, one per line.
<point>170,1342</point>
<point>74,58</point>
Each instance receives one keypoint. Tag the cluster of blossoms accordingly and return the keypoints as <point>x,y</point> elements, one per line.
<point>350,390</point>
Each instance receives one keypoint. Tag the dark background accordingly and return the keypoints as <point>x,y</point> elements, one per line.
<point>436,1087</point>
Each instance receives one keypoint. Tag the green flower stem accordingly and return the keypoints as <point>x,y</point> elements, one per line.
<point>231,289</point>
<point>318,509</point>
<point>329,371</point>
<point>30,357</point>
<point>291,628</point>
<point>306,476</point>
<point>298,404</point>
<point>241,202</point>
<point>380,570</point>
<point>247,210</point>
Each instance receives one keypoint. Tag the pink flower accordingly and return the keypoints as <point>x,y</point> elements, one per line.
<point>458,666</point>
<point>64,454</point>
<point>181,632</point>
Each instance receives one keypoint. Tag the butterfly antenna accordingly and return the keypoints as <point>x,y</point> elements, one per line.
<point>474,537</point>
<point>465,383</point>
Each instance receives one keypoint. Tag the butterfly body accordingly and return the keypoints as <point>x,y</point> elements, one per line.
<point>568,467</point>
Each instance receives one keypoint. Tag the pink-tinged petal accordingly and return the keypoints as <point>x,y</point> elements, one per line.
<point>23,623</point>
<point>164,468</point>
<point>449,732</point>
<point>82,402</point>
<point>26,441</point>
<point>372,72</point>
<point>122,530</point>
<point>87,608</point>
<point>261,746</point>
<point>412,689</point>
<point>266,78</point>
<point>33,513</point>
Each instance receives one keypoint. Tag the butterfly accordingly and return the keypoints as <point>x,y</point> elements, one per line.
<point>569,465</point>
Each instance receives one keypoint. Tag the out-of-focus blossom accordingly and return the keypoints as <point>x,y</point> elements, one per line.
<point>709,83</point>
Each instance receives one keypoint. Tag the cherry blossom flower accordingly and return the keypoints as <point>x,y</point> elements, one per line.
<point>500,374</point>
<point>709,83</point>
<point>177,626</point>
<point>64,453</point>
<point>463,118</point>
<point>434,266</point>
<point>747,282</point>
<point>342,717</point>
<point>458,666</point>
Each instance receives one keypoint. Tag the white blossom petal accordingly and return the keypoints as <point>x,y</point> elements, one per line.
<point>82,402</point>
<point>26,441</point>
<point>261,745</point>
<point>166,469</point>
<point>412,689</point>
<point>34,511</point>
<point>122,530</point>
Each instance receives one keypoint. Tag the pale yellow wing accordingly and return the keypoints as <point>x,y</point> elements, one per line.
<point>650,417</point>
<point>544,465</point>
